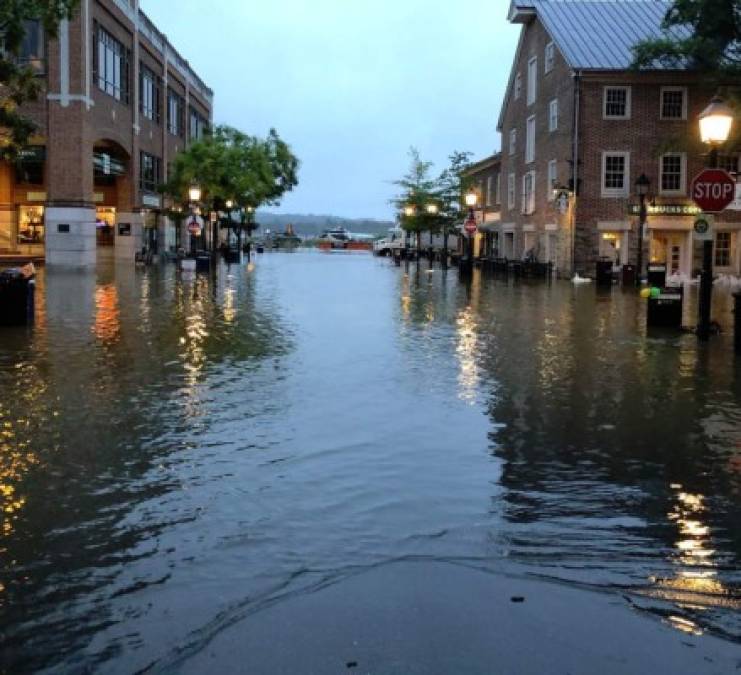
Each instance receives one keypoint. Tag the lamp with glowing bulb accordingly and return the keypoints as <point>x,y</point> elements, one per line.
<point>716,122</point>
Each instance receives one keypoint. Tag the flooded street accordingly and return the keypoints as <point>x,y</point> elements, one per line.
<point>180,453</point>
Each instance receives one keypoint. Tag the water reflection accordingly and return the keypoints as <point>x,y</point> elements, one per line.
<point>178,451</point>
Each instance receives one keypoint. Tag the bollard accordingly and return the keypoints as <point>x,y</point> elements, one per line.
<point>737,322</point>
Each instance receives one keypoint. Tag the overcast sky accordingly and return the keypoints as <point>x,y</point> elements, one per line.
<point>350,84</point>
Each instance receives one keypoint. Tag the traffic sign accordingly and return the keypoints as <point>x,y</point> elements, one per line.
<point>194,228</point>
<point>703,227</point>
<point>713,190</point>
<point>470,226</point>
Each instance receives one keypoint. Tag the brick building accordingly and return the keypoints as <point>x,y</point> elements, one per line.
<point>579,126</point>
<point>485,177</point>
<point>118,103</point>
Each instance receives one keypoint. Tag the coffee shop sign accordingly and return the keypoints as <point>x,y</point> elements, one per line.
<point>667,210</point>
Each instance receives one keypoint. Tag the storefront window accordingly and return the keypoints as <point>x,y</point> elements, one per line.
<point>105,226</point>
<point>31,229</point>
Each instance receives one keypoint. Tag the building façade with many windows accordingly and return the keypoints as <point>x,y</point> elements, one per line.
<point>579,126</point>
<point>118,103</point>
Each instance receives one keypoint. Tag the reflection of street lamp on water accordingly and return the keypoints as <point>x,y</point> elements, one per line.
<point>715,128</point>
<point>642,187</point>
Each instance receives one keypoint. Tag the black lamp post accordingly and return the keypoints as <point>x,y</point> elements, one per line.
<point>194,195</point>
<point>471,199</point>
<point>642,186</point>
<point>715,128</point>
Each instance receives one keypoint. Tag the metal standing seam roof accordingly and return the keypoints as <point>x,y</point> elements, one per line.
<point>600,34</point>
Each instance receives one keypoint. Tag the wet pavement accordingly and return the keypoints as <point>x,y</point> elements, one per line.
<point>181,457</point>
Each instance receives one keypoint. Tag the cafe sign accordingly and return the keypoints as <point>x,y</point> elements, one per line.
<point>666,210</point>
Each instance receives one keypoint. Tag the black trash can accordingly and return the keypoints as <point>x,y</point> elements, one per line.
<point>665,310</point>
<point>657,275</point>
<point>233,255</point>
<point>17,296</point>
<point>604,272</point>
<point>203,262</point>
<point>628,275</point>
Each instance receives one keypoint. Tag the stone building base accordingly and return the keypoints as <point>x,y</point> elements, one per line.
<point>70,236</point>
<point>129,235</point>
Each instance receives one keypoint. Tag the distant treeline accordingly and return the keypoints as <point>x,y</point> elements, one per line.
<point>311,225</point>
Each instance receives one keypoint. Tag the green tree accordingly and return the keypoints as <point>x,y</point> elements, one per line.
<point>231,166</point>
<point>418,190</point>
<point>18,84</point>
<point>452,186</point>
<point>712,45</point>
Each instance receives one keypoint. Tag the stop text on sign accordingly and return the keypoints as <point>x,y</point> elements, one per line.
<point>713,190</point>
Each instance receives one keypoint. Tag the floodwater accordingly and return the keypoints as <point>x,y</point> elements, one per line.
<point>178,453</point>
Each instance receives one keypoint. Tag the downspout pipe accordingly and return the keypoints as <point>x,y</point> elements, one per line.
<point>575,165</point>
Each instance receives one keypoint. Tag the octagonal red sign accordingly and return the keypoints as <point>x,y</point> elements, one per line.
<point>713,190</point>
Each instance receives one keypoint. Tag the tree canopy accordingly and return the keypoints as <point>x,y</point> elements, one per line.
<point>712,47</point>
<point>419,189</point>
<point>18,83</point>
<point>228,164</point>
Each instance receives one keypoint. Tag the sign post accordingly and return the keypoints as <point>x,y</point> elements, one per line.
<point>712,190</point>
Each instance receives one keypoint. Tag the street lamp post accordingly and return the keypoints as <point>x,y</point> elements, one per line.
<point>409,212</point>
<point>471,199</point>
<point>432,211</point>
<point>715,128</point>
<point>642,186</point>
<point>250,210</point>
<point>194,197</point>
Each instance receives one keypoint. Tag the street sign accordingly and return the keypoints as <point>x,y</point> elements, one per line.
<point>703,227</point>
<point>470,226</point>
<point>713,190</point>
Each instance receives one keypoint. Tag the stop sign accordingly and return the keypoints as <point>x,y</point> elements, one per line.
<point>470,226</point>
<point>713,190</point>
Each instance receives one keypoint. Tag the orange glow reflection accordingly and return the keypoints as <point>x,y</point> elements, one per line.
<point>107,326</point>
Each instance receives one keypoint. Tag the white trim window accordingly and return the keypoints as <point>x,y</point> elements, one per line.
<point>550,57</point>
<point>673,173</point>
<point>518,86</point>
<point>616,103</point>
<point>553,115</point>
<point>673,103</point>
<point>552,179</point>
<point>511,192</point>
<point>512,141</point>
<point>489,181</point>
<point>615,174</point>
<point>530,140</point>
<point>528,193</point>
<point>498,193</point>
<point>723,248</point>
<point>532,80</point>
